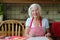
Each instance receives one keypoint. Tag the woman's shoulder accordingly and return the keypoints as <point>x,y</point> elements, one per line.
<point>28,22</point>
<point>44,19</point>
<point>28,19</point>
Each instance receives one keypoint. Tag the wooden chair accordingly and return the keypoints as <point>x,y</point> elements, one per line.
<point>12,28</point>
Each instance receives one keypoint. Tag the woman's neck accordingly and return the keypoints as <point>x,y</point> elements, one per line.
<point>37,18</point>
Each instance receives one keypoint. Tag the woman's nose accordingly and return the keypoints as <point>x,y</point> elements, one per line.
<point>35,12</point>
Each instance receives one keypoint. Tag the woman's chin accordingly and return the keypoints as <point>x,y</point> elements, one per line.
<point>35,16</point>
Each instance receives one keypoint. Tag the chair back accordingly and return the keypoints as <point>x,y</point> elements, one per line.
<point>12,28</point>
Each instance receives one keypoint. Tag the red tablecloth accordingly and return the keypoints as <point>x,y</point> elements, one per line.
<point>14,38</point>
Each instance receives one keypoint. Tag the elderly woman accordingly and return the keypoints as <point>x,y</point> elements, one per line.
<point>35,24</point>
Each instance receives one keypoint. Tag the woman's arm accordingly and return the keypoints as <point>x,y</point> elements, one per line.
<point>26,31</point>
<point>47,28</point>
<point>48,34</point>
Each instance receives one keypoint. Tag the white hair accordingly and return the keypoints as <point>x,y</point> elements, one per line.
<point>33,5</point>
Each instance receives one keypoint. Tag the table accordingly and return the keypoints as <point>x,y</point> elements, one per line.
<point>39,38</point>
<point>32,38</point>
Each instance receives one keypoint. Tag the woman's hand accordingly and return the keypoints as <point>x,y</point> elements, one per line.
<point>48,34</point>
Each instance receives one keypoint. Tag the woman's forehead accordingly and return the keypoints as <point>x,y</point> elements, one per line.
<point>34,7</point>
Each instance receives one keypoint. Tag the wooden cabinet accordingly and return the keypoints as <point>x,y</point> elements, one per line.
<point>19,1</point>
<point>32,1</point>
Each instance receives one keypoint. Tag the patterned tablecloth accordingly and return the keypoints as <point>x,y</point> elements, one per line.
<point>25,38</point>
<point>38,38</point>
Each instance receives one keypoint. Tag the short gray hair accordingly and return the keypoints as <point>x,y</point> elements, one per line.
<point>33,5</point>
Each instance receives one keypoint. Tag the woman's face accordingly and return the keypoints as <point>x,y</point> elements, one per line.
<point>35,11</point>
